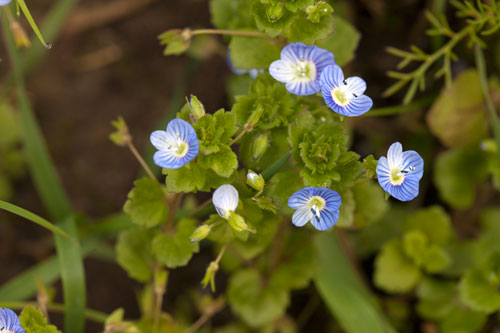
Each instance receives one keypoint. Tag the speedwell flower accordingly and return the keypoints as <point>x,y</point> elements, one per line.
<point>9,322</point>
<point>317,205</point>
<point>344,96</point>
<point>176,146</point>
<point>400,173</point>
<point>225,200</point>
<point>300,67</point>
<point>4,3</point>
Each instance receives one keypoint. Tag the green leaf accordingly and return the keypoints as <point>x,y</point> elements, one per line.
<point>457,171</point>
<point>435,259</point>
<point>436,298</point>
<point>293,5</point>
<point>177,249</point>
<point>255,303</point>
<point>214,131</point>
<point>283,185</point>
<point>231,15</point>
<point>433,222</point>
<point>457,117</point>
<point>343,43</point>
<point>462,320</point>
<point>133,251</point>
<point>33,321</point>
<point>250,53</point>
<point>223,162</point>
<point>272,19</point>
<point>479,288</point>
<point>176,41</point>
<point>394,271</point>
<point>345,294</point>
<point>146,204</point>
<point>33,218</point>
<point>414,245</point>
<point>346,218</point>
<point>319,10</point>
<point>370,203</point>
<point>189,178</point>
<point>370,166</point>
<point>267,204</point>
<point>304,30</point>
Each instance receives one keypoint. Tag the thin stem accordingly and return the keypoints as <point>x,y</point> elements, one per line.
<point>481,67</point>
<point>200,207</point>
<point>229,32</point>
<point>401,109</point>
<point>173,206</point>
<point>209,313</point>
<point>221,253</point>
<point>245,130</point>
<point>139,158</point>
<point>93,315</point>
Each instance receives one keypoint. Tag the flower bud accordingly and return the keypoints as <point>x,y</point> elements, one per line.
<point>274,12</point>
<point>210,275</point>
<point>254,117</point>
<point>259,145</point>
<point>200,233</point>
<point>255,181</point>
<point>197,108</point>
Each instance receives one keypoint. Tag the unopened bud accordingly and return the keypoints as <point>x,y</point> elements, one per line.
<point>259,145</point>
<point>200,233</point>
<point>197,108</point>
<point>274,12</point>
<point>255,181</point>
<point>237,222</point>
<point>254,117</point>
<point>210,275</point>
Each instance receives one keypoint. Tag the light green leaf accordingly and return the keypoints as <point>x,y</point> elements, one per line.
<point>230,14</point>
<point>252,53</point>
<point>394,271</point>
<point>133,251</point>
<point>433,222</point>
<point>177,249</point>
<point>270,18</point>
<point>370,203</point>
<point>223,162</point>
<point>304,30</point>
<point>343,42</point>
<point>146,204</point>
<point>33,321</point>
<point>189,178</point>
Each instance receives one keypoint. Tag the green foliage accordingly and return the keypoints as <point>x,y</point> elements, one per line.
<point>457,117</point>
<point>479,288</point>
<point>215,131</point>
<point>146,204</point>
<point>250,53</point>
<point>457,171</point>
<point>176,41</point>
<point>272,17</point>
<point>223,162</point>
<point>370,203</point>
<point>189,178</point>
<point>343,42</point>
<point>33,321</point>
<point>176,249</point>
<point>308,31</point>
<point>133,252</point>
<point>319,150</point>
<point>256,303</point>
<point>230,14</point>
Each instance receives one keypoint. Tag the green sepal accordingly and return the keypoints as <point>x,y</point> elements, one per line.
<point>317,11</point>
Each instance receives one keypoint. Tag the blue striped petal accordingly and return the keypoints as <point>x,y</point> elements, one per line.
<point>332,198</point>
<point>358,106</point>
<point>302,88</point>
<point>182,128</point>
<point>301,217</point>
<point>356,85</point>
<point>411,158</point>
<point>160,139</point>
<point>225,199</point>
<point>407,191</point>
<point>282,71</point>
<point>331,77</point>
<point>326,220</point>
<point>167,160</point>
<point>5,2</point>
<point>395,155</point>
<point>300,198</point>
<point>9,321</point>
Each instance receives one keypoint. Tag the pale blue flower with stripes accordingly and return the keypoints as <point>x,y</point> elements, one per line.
<point>399,174</point>
<point>4,3</point>
<point>225,200</point>
<point>317,205</point>
<point>176,146</point>
<point>344,96</point>
<point>9,322</point>
<point>300,67</point>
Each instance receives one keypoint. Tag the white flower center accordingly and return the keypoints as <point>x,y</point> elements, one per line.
<point>398,175</point>
<point>4,330</point>
<point>305,70</point>
<point>178,147</point>
<point>316,204</point>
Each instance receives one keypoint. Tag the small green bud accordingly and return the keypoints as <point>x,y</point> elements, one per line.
<point>255,181</point>
<point>237,222</point>
<point>200,233</point>
<point>121,136</point>
<point>210,275</point>
<point>274,12</point>
<point>259,145</point>
<point>315,12</point>
<point>254,117</point>
<point>197,108</point>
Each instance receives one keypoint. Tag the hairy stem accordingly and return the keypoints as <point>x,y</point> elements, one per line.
<point>229,32</point>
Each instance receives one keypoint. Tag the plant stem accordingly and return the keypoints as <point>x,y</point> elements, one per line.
<point>95,316</point>
<point>245,130</point>
<point>139,158</point>
<point>481,68</point>
<point>200,207</point>
<point>230,33</point>
<point>401,109</point>
<point>218,305</point>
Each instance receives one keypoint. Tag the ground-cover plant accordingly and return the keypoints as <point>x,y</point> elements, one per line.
<point>289,200</point>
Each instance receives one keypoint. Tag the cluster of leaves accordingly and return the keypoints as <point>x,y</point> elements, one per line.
<point>33,321</point>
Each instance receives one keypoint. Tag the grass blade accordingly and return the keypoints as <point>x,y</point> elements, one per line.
<point>53,196</point>
<point>33,218</point>
<point>31,21</point>
<point>345,294</point>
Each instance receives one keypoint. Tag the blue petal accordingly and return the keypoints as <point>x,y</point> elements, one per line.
<point>225,199</point>
<point>302,88</point>
<point>159,139</point>
<point>322,58</point>
<point>181,128</point>
<point>356,85</point>
<point>296,51</point>
<point>300,198</point>
<point>395,155</point>
<point>357,106</point>
<point>412,159</point>
<point>10,321</point>
<point>301,217</point>
<point>333,200</point>
<point>281,71</point>
<point>326,220</point>
<point>5,2</point>
<point>331,77</point>
<point>167,160</point>
<point>407,191</point>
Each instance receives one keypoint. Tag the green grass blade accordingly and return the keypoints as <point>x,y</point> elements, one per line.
<point>345,294</point>
<point>33,218</point>
<point>31,21</point>
<point>53,196</point>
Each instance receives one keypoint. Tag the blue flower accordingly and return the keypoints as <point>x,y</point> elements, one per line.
<point>320,206</point>
<point>9,322</point>
<point>400,173</point>
<point>300,68</point>
<point>4,3</point>
<point>176,146</point>
<point>344,96</point>
<point>225,200</point>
